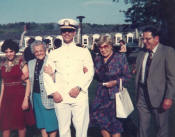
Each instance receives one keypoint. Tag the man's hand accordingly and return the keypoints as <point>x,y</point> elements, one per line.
<point>48,70</point>
<point>167,103</point>
<point>74,92</point>
<point>57,97</point>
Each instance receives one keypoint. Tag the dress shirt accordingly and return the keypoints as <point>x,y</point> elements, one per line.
<point>144,63</point>
<point>68,62</point>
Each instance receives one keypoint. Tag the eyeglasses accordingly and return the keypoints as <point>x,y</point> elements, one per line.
<point>67,30</point>
<point>147,39</point>
<point>103,47</point>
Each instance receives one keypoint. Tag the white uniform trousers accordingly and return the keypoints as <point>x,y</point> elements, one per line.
<point>79,112</point>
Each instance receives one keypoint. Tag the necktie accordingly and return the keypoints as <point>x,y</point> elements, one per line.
<point>147,67</point>
<point>148,63</point>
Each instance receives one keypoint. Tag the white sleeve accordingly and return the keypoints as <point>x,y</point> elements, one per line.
<point>88,76</point>
<point>49,84</point>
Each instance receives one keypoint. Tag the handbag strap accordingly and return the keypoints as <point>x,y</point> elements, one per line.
<point>120,85</point>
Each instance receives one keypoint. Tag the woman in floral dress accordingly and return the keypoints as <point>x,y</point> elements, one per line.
<point>109,68</point>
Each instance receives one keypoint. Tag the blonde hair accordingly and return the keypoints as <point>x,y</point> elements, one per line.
<point>105,39</point>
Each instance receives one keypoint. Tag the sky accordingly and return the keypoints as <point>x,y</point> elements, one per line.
<point>50,11</point>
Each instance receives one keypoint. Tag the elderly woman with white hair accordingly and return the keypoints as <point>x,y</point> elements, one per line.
<point>43,105</point>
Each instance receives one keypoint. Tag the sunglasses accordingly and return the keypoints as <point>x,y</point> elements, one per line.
<point>67,30</point>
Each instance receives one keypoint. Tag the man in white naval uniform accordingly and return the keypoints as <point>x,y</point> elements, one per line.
<point>70,90</point>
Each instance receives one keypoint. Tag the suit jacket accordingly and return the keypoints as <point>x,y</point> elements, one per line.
<point>47,101</point>
<point>161,77</point>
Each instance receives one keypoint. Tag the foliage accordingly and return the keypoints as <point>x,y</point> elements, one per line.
<point>144,12</point>
<point>14,31</point>
<point>153,12</point>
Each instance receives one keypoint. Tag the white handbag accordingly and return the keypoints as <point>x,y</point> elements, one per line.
<point>124,105</point>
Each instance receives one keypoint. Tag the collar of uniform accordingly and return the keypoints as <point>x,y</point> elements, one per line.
<point>69,45</point>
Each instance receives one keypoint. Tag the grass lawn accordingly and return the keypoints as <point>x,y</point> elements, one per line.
<point>130,124</point>
<point>92,132</point>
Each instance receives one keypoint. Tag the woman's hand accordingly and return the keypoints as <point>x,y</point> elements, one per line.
<point>48,70</point>
<point>25,104</point>
<point>110,84</point>
<point>85,69</point>
<point>24,77</point>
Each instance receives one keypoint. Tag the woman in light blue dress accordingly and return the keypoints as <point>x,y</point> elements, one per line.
<point>43,105</point>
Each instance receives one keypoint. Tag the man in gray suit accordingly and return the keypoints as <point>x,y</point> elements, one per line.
<point>155,83</point>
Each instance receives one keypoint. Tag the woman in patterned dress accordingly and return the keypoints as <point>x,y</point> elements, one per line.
<point>109,68</point>
<point>15,110</point>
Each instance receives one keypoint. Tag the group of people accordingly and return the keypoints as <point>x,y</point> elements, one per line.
<point>28,55</point>
<point>51,90</point>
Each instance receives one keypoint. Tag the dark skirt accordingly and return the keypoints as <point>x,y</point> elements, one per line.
<point>103,113</point>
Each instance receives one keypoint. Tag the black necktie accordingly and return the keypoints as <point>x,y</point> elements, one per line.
<point>148,63</point>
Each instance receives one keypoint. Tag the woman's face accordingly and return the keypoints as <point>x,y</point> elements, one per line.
<point>10,54</point>
<point>105,50</point>
<point>39,52</point>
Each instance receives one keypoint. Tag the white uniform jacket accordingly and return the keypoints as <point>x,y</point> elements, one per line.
<point>68,62</point>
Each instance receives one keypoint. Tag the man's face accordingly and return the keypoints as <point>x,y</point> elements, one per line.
<point>68,35</point>
<point>121,44</point>
<point>149,41</point>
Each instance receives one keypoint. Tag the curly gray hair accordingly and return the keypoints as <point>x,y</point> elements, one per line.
<point>37,43</point>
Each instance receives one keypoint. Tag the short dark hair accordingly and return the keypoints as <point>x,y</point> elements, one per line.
<point>122,41</point>
<point>47,41</point>
<point>153,30</point>
<point>30,41</point>
<point>10,44</point>
<point>57,43</point>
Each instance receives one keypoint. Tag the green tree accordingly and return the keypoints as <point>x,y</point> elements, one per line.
<point>153,12</point>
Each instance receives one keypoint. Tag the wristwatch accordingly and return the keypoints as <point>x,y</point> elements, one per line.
<point>79,88</point>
